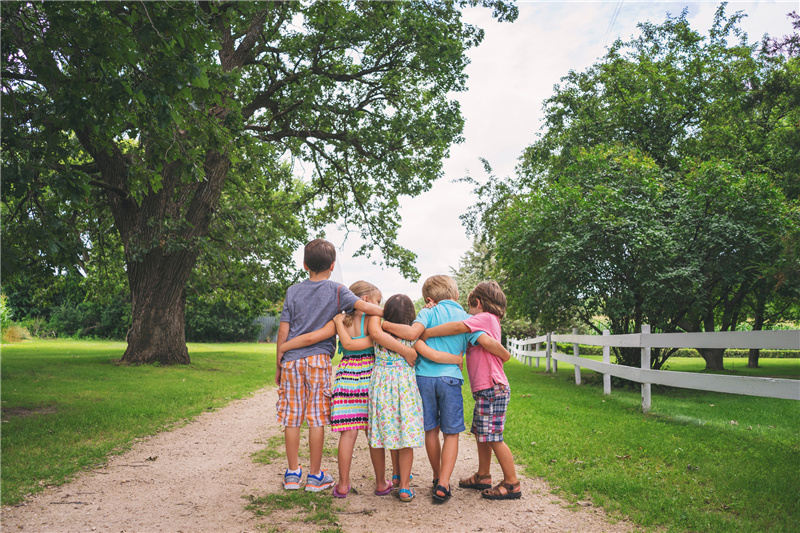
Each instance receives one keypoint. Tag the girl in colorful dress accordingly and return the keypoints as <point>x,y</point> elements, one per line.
<point>350,399</point>
<point>395,405</point>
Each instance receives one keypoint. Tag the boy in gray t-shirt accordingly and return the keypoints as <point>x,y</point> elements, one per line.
<point>303,371</point>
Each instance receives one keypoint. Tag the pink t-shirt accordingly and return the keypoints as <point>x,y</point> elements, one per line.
<point>483,368</point>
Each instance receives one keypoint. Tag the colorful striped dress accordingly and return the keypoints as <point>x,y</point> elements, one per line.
<point>350,403</point>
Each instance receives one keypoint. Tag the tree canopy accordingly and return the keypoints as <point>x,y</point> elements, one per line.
<point>661,190</point>
<point>219,131</point>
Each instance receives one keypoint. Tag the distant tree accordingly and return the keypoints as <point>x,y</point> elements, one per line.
<point>162,114</point>
<point>662,190</point>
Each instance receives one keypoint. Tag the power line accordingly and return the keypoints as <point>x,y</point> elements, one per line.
<point>611,24</point>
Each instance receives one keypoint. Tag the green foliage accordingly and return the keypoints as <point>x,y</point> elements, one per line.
<point>656,193</point>
<point>219,321</point>
<point>5,311</point>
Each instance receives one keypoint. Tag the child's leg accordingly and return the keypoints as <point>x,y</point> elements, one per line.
<point>449,455</point>
<point>378,456</point>
<point>395,455</point>
<point>316,440</point>
<point>291,439</point>
<point>506,460</point>
<point>485,457</point>
<point>434,450</point>
<point>347,441</point>
<point>406,460</point>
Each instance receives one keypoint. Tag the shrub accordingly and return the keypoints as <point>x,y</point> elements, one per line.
<point>220,322</point>
<point>14,333</point>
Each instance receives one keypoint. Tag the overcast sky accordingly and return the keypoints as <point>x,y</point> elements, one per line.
<point>511,73</point>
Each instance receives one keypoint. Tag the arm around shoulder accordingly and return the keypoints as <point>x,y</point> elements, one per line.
<point>494,347</point>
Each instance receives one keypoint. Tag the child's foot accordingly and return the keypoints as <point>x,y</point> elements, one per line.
<point>318,483</point>
<point>441,494</point>
<point>291,480</point>
<point>396,480</point>
<point>476,481</point>
<point>384,491</point>
<point>406,495</point>
<point>503,491</point>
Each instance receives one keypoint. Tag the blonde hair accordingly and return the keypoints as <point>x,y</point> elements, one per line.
<point>439,288</point>
<point>491,296</point>
<point>360,288</point>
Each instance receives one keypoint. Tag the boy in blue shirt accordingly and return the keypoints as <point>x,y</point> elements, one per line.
<point>440,384</point>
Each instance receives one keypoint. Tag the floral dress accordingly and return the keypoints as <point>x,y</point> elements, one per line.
<point>350,399</point>
<point>395,406</point>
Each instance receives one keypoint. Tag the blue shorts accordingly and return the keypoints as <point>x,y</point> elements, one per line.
<point>442,403</point>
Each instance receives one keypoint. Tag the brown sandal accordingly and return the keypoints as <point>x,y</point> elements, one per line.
<point>476,481</point>
<point>503,491</point>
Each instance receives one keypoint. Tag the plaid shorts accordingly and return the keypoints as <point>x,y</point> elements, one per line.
<point>489,416</point>
<point>305,392</point>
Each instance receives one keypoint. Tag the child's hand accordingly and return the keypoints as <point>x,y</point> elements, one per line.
<point>430,304</point>
<point>338,319</point>
<point>278,376</point>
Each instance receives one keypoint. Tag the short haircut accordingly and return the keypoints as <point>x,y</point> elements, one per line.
<point>492,298</point>
<point>399,309</point>
<point>319,255</point>
<point>439,288</point>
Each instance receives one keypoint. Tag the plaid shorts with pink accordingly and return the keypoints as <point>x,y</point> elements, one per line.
<point>305,392</point>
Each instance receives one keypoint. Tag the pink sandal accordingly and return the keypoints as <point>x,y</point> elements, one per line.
<point>384,492</point>
<point>337,494</point>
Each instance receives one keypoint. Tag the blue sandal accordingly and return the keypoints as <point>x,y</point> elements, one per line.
<point>406,495</point>
<point>396,480</point>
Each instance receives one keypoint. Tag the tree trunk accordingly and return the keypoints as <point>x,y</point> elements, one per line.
<point>713,357</point>
<point>157,333</point>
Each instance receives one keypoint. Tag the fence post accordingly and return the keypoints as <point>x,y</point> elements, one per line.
<point>607,360</point>
<point>548,348</point>
<point>538,348</point>
<point>576,353</point>
<point>645,366</point>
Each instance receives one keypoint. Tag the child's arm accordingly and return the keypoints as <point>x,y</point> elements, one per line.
<point>283,332</point>
<point>307,339</point>
<point>409,333</point>
<point>494,347</point>
<point>436,356</point>
<point>347,341</point>
<point>443,330</point>
<point>389,342</point>
<point>368,308</point>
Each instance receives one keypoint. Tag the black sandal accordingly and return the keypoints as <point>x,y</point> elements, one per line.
<point>441,499</point>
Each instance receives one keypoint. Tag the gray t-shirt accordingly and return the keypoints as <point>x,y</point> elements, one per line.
<point>309,305</point>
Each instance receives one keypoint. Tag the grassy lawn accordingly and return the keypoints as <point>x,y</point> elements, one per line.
<point>697,462</point>
<point>67,404</point>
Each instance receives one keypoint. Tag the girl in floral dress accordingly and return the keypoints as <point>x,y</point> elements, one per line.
<point>395,405</point>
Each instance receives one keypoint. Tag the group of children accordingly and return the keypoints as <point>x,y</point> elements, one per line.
<point>399,379</point>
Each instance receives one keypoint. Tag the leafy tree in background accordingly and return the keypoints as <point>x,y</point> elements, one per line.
<point>179,120</point>
<point>661,191</point>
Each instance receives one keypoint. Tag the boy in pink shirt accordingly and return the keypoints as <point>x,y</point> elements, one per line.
<point>489,385</point>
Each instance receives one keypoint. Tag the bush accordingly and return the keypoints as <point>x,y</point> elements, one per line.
<point>220,322</point>
<point>89,319</point>
<point>14,333</point>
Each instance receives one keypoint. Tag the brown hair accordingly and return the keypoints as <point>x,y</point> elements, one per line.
<point>439,288</point>
<point>319,255</point>
<point>491,296</point>
<point>399,309</point>
<point>359,288</point>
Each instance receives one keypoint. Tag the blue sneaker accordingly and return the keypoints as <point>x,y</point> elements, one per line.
<point>318,483</point>
<point>292,481</point>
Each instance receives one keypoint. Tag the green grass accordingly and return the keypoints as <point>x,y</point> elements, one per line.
<point>682,467</point>
<point>697,462</point>
<point>315,507</point>
<point>67,404</point>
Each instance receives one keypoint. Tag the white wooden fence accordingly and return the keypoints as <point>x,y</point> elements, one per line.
<point>528,350</point>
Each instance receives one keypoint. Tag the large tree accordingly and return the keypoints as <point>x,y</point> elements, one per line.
<point>162,105</point>
<point>661,190</point>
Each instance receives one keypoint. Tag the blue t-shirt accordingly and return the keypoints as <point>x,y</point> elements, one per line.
<point>309,305</point>
<point>442,313</point>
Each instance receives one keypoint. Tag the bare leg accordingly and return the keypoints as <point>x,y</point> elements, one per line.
<point>406,456</point>
<point>484,457</point>
<point>434,450</point>
<point>347,441</point>
<point>316,439</point>
<point>506,460</point>
<point>449,455</point>
<point>378,456</point>
<point>395,464</point>
<point>291,439</point>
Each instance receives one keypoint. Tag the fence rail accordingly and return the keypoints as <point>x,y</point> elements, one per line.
<point>528,350</point>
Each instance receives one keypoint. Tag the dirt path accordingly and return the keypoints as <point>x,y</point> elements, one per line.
<point>196,478</point>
